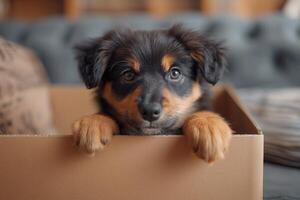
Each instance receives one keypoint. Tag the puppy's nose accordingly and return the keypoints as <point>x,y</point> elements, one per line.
<point>151,111</point>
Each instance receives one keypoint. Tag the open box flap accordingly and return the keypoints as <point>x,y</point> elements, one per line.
<point>227,103</point>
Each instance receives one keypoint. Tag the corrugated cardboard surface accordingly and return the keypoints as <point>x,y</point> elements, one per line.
<point>132,167</point>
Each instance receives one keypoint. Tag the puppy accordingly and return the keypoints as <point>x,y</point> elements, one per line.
<point>153,82</point>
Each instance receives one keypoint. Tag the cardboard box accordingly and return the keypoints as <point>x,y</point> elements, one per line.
<point>131,167</point>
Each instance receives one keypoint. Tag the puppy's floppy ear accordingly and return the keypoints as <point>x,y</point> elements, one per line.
<point>207,54</point>
<point>93,57</point>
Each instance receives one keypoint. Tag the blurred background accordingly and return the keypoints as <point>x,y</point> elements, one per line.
<point>257,33</point>
<point>32,10</point>
<point>263,49</point>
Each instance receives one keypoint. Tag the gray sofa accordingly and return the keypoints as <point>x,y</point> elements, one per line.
<point>265,52</point>
<point>261,53</point>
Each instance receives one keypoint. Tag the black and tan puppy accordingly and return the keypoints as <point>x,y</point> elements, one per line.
<point>152,82</point>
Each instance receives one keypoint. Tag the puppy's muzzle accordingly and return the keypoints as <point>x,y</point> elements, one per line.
<point>149,103</point>
<point>150,111</point>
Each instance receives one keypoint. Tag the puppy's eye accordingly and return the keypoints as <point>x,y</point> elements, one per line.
<point>128,76</point>
<point>175,74</point>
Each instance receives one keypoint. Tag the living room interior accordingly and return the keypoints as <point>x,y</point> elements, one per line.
<point>262,40</point>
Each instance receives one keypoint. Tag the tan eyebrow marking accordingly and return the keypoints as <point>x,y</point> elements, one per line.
<point>167,61</point>
<point>134,63</point>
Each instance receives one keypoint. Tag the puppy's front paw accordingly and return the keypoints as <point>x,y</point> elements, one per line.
<point>208,134</point>
<point>94,132</point>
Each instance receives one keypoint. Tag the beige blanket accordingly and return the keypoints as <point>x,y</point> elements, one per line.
<point>278,113</point>
<point>24,99</point>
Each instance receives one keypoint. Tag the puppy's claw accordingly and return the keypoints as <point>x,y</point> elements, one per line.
<point>104,141</point>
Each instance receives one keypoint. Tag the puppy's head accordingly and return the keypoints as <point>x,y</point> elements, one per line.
<point>149,81</point>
